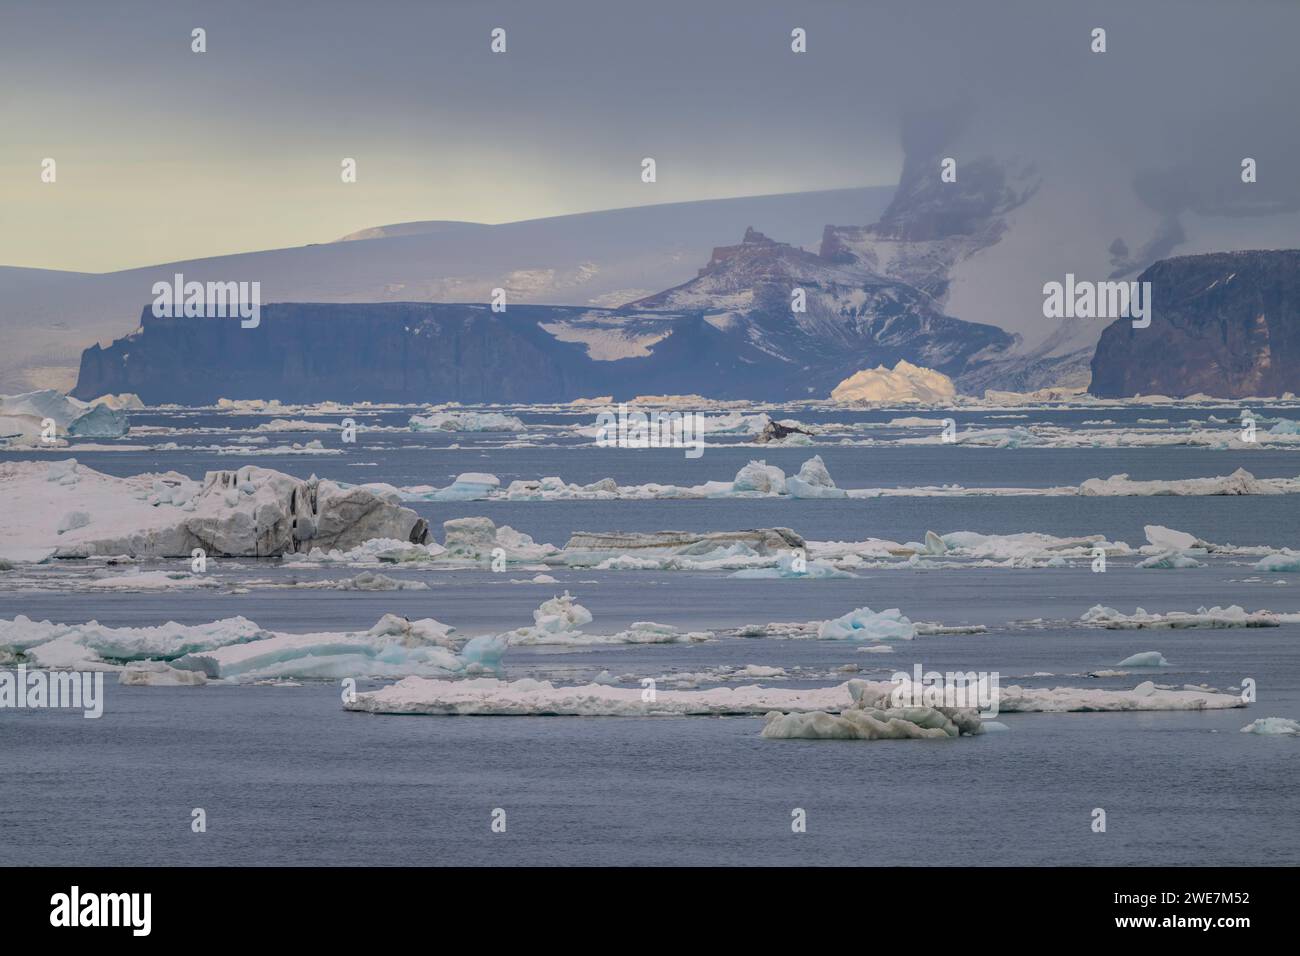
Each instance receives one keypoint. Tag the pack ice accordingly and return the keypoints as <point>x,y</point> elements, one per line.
<point>68,510</point>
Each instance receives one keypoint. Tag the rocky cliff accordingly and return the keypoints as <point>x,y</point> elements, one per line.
<point>1225,324</point>
<point>423,352</point>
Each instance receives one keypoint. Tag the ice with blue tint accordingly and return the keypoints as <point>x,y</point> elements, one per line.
<point>864,624</point>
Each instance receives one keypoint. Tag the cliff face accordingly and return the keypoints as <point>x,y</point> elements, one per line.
<point>1225,324</point>
<point>424,352</point>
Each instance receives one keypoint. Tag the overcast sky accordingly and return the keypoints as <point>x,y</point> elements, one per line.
<point>166,154</point>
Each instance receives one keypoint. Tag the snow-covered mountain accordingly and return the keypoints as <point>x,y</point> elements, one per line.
<point>601,258</point>
<point>849,318</point>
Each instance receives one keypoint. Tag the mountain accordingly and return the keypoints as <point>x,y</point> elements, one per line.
<point>602,259</point>
<point>853,317</point>
<point>1226,324</point>
<point>427,352</point>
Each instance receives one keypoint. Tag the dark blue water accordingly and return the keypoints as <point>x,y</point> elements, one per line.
<point>287,776</point>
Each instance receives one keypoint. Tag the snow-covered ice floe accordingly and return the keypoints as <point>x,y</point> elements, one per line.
<point>758,479</point>
<point>62,508</point>
<point>1214,617</point>
<point>527,697</point>
<point>559,621</point>
<point>236,648</point>
<point>465,421</point>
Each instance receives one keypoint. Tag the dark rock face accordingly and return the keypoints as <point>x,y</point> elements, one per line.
<point>426,352</point>
<point>1225,324</point>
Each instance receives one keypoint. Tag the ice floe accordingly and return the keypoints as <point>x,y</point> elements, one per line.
<point>1276,726</point>
<point>1214,617</point>
<point>528,697</point>
<point>465,421</point>
<point>66,509</point>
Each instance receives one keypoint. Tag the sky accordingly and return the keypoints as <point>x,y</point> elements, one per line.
<point>165,154</point>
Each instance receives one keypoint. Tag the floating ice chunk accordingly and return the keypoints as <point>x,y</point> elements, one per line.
<point>475,539</point>
<point>1273,725</point>
<point>1167,539</point>
<point>1281,561</point>
<point>487,696</point>
<point>1234,616</point>
<point>787,566</point>
<point>393,647</point>
<point>1240,482</point>
<point>905,724</point>
<point>905,382</point>
<point>157,674</point>
<point>471,486</point>
<point>1146,696</point>
<point>814,481</point>
<point>466,421</point>
<point>761,478</point>
<point>484,653</point>
<point>371,581</point>
<point>71,645</point>
<point>1170,560</point>
<point>561,613</point>
<point>99,422</point>
<point>154,581</point>
<point>1144,659</point>
<point>864,624</point>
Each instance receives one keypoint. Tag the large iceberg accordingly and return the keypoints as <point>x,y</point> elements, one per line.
<point>905,382</point>
<point>23,415</point>
<point>250,512</point>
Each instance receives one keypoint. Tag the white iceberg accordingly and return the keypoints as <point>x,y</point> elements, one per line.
<point>1273,726</point>
<point>465,421</point>
<point>905,382</point>
<point>1144,659</point>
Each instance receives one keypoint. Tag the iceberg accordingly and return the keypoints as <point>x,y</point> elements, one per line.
<point>1273,726</point>
<point>1282,561</point>
<point>864,624</point>
<point>560,620</point>
<point>93,645</point>
<point>249,512</point>
<point>475,539</point>
<point>393,647</point>
<point>761,478</point>
<point>814,481</point>
<point>1144,659</point>
<point>905,382</point>
<point>465,421</point>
